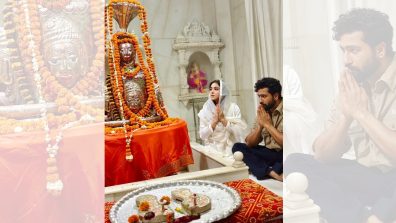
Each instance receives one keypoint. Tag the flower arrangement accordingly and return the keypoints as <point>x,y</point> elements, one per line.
<point>165,200</point>
<point>144,206</point>
<point>133,219</point>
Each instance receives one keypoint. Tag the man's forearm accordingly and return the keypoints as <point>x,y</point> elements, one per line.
<point>278,136</point>
<point>330,144</point>
<point>254,138</point>
<point>379,133</point>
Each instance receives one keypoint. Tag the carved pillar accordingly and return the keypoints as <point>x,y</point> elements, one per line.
<point>217,70</point>
<point>183,78</point>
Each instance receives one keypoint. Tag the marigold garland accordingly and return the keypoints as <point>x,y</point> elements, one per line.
<point>66,102</point>
<point>90,80</point>
<point>117,39</point>
<point>117,73</point>
<point>130,74</point>
<point>149,72</point>
<point>28,29</point>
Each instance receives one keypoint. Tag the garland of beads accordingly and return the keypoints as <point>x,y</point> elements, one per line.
<point>46,83</point>
<point>116,90</point>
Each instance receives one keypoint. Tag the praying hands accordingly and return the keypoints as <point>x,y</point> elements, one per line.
<point>263,117</point>
<point>353,99</point>
<point>218,117</point>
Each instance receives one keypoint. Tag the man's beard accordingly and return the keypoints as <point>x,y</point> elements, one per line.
<point>362,75</point>
<point>269,106</point>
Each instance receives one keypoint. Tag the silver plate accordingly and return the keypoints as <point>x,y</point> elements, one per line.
<point>225,200</point>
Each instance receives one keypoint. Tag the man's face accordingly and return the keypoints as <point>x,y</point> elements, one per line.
<point>359,57</point>
<point>267,100</point>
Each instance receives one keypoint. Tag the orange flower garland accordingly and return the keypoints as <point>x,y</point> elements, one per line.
<point>117,73</point>
<point>49,89</point>
<point>117,130</point>
<point>117,86</point>
<point>53,90</point>
<point>130,74</point>
<point>90,80</point>
<point>65,100</point>
<point>152,99</point>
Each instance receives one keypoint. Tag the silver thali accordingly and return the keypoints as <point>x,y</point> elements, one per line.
<point>224,199</point>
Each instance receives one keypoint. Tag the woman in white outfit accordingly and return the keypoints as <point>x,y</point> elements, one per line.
<point>302,121</point>
<point>221,124</point>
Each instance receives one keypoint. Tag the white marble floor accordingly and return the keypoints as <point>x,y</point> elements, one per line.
<point>272,185</point>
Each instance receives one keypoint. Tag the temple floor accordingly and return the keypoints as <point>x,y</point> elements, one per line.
<point>271,184</point>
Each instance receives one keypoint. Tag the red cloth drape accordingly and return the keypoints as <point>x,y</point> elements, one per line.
<point>258,203</point>
<point>23,177</point>
<point>157,152</point>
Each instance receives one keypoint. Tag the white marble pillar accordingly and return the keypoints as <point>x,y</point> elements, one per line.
<point>224,30</point>
<point>297,206</point>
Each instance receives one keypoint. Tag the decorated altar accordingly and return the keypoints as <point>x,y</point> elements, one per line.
<point>51,110</point>
<point>141,140</point>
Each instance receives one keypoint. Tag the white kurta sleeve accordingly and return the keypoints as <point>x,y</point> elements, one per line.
<point>235,124</point>
<point>205,129</point>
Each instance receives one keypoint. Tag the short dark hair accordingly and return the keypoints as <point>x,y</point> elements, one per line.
<point>272,84</point>
<point>214,81</point>
<point>375,26</point>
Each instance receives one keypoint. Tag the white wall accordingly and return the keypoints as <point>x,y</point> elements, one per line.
<point>227,18</point>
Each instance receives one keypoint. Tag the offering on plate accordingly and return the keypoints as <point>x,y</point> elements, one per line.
<point>192,203</point>
<point>150,210</point>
